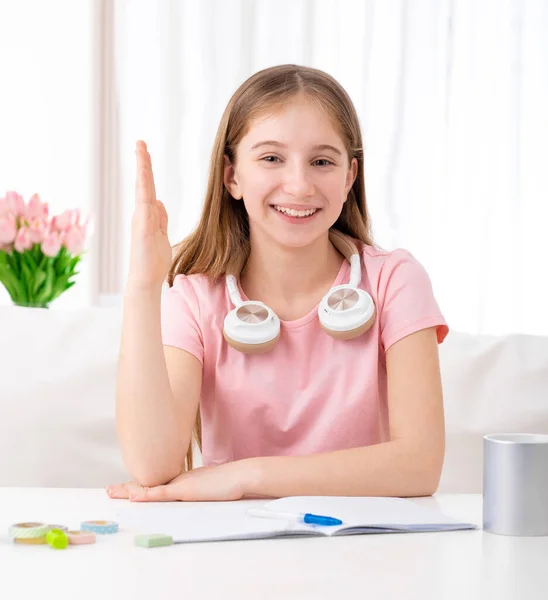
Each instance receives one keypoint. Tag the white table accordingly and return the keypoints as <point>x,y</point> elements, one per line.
<point>466,565</point>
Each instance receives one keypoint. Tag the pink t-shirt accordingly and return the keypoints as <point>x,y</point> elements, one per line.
<point>311,393</point>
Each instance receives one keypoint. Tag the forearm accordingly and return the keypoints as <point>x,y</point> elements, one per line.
<point>146,420</point>
<point>392,468</point>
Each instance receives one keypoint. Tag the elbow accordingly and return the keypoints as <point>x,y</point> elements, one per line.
<point>429,480</point>
<point>421,486</point>
<point>425,477</point>
<point>150,470</point>
<point>154,477</point>
<point>429,488</point>
<point>149,482</point>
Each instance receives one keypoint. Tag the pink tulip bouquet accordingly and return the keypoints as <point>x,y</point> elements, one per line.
<point>38,253</point>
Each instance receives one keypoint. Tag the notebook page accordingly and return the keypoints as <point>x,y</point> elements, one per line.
<point>364,511</point>
<point>206,521</point>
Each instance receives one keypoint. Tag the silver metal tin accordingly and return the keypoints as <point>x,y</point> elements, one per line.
<point>515,484</point>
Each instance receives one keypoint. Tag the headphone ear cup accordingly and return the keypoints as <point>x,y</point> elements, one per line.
<point>250,348</point>
<point>350,334</point>
<point>252,328</point>
<point>346,312</point>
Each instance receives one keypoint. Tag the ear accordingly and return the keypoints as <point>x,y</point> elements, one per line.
<point>229,178</point>
<point>351,177</point>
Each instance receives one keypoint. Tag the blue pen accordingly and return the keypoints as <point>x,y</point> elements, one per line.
<point>299,517</point>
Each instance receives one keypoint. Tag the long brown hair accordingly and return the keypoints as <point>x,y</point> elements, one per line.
<point>220,242</point>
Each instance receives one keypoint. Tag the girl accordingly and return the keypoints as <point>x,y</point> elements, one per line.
<point>294,388</point>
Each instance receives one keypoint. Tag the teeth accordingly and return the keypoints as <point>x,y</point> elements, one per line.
<point>295,213</point>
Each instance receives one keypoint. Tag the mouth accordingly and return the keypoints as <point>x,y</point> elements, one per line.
<point>293,215</point>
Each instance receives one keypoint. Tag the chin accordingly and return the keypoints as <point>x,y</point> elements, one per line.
<point>298,239</point>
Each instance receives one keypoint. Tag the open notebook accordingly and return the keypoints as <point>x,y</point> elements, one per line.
<point>216,521</point>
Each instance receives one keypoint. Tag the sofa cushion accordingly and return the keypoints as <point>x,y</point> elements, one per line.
<point>492,384</point>
<point>57,397</point>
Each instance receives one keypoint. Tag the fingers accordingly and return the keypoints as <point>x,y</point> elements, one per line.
<point>137,493</point>
<point>145,190</point>
<point>122,490</point>
<point>159,493</point>
<point>118,491</point>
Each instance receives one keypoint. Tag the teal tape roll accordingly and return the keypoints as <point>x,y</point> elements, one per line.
<point>99,526</point>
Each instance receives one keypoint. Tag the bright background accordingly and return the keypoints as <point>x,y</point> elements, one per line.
<point>451,95</point>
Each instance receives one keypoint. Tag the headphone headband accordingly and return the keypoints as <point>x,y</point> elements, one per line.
<point>347,248</point>
<point>343,243</point>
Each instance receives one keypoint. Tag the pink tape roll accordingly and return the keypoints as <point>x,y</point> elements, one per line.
<point>81,537</point>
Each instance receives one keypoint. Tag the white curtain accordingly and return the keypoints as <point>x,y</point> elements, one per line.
<point>452,98</point>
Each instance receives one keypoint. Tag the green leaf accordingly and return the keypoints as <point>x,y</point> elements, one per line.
<point>61,261</point>
<point>39,279</point>
<point>74,261</point>
<point>6,275</point>
<point>22,279</point>
<point>59,287</point>
<point>12,284</point>
<point>13,262</point>
<point>67,265</point>
<point>28,270</point>
<point>28,259</point>
<point>6,278</point>
<point>45,293</point>
<point>27,279</point>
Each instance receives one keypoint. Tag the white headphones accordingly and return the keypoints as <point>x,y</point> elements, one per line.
<point>345,312</point>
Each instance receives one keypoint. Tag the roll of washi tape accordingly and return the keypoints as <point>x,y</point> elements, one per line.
<point>30,541</point>
<point>81,537</point>
<point>57,539</point>
<point>28,533</point>
<point>99,526</point>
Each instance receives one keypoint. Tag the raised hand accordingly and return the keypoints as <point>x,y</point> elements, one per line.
<point>151,253</point>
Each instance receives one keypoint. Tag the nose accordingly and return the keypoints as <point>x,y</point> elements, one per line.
<point>297,183</point>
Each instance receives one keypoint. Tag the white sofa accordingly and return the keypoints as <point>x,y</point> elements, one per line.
<point>57,384</point>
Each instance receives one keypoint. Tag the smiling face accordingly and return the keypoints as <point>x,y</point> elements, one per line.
<point>293,173</point>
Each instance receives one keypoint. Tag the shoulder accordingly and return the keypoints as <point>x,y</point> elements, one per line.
<point>403,292</point>
<point>382,265</point>
<point>196,284</point>
<point>198,292</point>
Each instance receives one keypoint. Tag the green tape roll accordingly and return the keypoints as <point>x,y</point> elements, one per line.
<point>27,531</point>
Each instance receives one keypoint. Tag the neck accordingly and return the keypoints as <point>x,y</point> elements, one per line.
<point>277,272</point>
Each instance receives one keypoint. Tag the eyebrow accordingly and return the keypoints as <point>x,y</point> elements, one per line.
<point>280,145</point>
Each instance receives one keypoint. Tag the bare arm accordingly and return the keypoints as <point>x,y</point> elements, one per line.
<point>158,391</point>
<point>409,464</point>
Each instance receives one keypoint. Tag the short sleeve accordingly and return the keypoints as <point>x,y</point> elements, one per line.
<point>180,318</point>
<point>407,300</point>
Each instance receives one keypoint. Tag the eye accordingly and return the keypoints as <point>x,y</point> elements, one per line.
<point>325,161</point>
<point>270,156</point>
